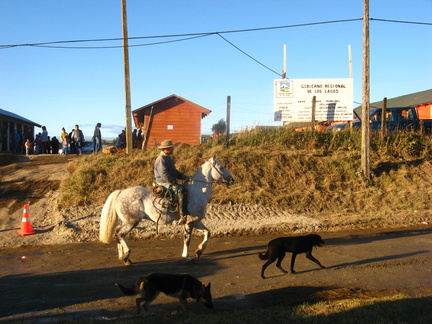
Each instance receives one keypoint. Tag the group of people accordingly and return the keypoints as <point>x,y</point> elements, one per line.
<point>70,143</point>
<point>14,141</point>
<point>136,139</point>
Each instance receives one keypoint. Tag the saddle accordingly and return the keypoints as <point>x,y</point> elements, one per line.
<point>171,199</point>
<point>169,195</point>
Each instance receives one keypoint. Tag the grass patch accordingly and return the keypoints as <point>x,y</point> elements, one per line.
<point>392,309</point>
<point>302,172</point>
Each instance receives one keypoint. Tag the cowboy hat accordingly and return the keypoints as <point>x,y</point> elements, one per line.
<point>166,144</point>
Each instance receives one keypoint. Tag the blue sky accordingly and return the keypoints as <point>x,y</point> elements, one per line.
<point>61,87</point>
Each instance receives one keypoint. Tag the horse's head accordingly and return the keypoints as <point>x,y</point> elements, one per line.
<point>219,173</point>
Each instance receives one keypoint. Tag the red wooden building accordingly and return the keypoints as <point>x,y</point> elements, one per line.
<point>174,118</point>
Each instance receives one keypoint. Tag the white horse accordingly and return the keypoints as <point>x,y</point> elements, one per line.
<point>131,205</point>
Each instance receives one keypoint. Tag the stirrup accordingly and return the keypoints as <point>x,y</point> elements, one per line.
<point>182,220</point>
<point>187,219</point>
<point>191,219</point>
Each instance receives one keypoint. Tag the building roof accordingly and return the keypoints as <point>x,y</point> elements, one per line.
<point>18,118</point>
<point>175,100</point>
<point>413,99</point>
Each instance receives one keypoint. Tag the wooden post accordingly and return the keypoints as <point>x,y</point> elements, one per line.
<point>147,134</point>
<point>384,118</point>
<point>128,111</point>
<point>365,147</point>
<point>284,69</point>
<point>227,130</point>
<point>313,113</point>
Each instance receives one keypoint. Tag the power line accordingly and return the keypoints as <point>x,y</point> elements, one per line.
<point>402,21</point>
<point>193,35</point>
<point>117,46</point>
<point>46,44</point>
<point>190,36</point>
<point>247,54</point>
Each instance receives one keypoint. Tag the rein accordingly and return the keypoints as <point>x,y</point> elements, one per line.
<point>213,165</point>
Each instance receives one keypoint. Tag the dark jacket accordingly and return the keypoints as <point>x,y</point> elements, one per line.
<point>165,170</point>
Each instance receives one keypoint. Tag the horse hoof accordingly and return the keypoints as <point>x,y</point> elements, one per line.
<point>188,258</point>
<point>199,253</point>
<point>128,262</point>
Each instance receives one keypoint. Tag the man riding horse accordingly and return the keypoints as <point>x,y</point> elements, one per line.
<point>166,175</point>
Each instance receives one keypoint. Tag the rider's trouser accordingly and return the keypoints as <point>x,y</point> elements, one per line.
<point>183,201</point>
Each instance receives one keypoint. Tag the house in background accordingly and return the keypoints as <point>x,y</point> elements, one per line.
<point>422,101</point>
<point>174,118</point>
<point>10,122</point>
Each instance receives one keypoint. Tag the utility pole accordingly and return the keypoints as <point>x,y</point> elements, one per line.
<point>284,69</point>
<point>365,148</point>
<point>227,130</point>
<point>129,147</point>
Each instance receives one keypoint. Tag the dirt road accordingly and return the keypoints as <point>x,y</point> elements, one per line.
<point>76,281</point>
<point>43,279</point>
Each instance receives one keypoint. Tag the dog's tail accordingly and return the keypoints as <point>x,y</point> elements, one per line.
<point>127,291</point>
<point>139,285</point>
<point>264,256</point>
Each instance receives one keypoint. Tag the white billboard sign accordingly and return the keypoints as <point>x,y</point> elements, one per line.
<point>293,99</point>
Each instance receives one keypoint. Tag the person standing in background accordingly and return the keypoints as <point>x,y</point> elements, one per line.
<point>134,138</point>
<point>38,144</point>
<point>72,149</point>
<point>78,138</point>
<point>28,146</point>
<point>45,141</point>
<point>55,145</point>
<point>28,135</point>
<point>64,140</point>
<point>97,138</point>
<point>122,136</point>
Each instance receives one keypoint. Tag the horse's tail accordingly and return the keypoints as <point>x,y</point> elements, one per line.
<point>109,217</point>
<point>264,256</point>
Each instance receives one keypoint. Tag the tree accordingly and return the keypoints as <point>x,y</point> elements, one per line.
<point>219,127</point>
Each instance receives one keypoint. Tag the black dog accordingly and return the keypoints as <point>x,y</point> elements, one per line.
<point>181,286</point>
<point>277,248</point>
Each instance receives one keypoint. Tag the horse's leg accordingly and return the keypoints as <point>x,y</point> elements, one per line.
<point>187,234</point>
<point>201,227</point>
<point>123,249</point>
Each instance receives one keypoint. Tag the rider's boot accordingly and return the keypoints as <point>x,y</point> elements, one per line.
<point>185,217</point>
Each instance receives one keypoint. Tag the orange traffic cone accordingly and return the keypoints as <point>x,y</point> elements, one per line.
<point>26,228</point>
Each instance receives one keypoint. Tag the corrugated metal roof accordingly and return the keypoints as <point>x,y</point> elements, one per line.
<point>11,115</point>
<point>413,99</point>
